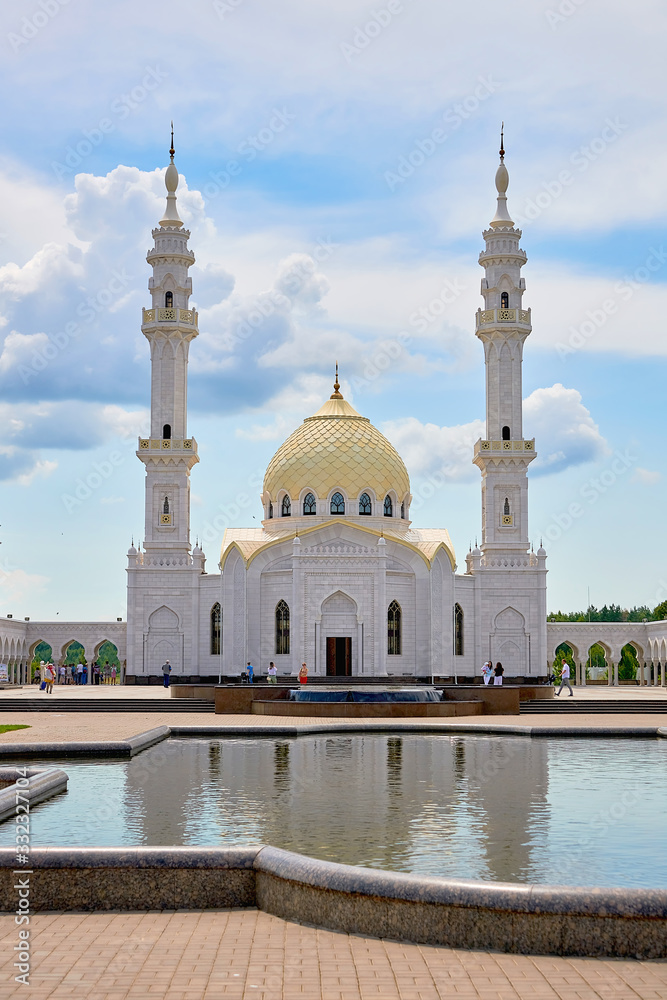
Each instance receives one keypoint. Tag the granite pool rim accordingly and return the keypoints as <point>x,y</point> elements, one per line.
<point>127,748</point>
<point>470,914</point>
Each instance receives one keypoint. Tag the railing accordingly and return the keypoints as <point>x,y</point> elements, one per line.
<point>188,317</point>
<point>487,317</point>
<point>500,446</point>
<point>167,444</point>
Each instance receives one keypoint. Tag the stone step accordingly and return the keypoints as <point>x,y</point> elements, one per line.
<point>51,703</point>
<point>588,706</point>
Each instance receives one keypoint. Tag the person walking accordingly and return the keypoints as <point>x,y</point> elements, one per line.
<point>79,673</point>
<point>273,673</point>
<point>487,671</point>
<point>50,676</point>
<point>113,673</point>
<point>62,678</point>
<point>565,679</point>
<point>250,670</point>
<point>498,673</point>
<point>303,674</point>
<point>166,671</point>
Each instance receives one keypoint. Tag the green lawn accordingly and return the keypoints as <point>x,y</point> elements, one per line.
<point>8,729</point>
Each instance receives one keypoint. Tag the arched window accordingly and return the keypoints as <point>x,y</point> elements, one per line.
<point>165,506</point>
<point>394,629</point>
<point>506,433</point>
<point>310,504</point>
<point>403,509</point>
<point>166,431</point>
<point>337,504</point>
<point>270,510</point>
<point>169,300</point>
<point>388,507</point>
<point>504,300</point>
<point>286,507</point>
<point>282,627</point>
<point>216,629</point>
<point>365,504</point>
<point>458,630</point>
<point>506,506</point>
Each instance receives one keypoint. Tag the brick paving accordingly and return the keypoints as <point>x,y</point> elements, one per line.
<point>244,954</point>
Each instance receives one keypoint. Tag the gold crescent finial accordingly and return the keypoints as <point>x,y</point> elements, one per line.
<point>171,149</point>
<point>336,393</point>
<point>502,142</point>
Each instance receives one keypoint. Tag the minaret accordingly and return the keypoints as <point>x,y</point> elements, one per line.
<point>502,326</point>
<point>169,326</point>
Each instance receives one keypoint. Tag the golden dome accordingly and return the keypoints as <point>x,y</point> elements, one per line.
<point>337,448</point>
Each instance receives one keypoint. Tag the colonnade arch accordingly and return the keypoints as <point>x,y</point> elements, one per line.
<point>647,640</point>
<point>19,641</point>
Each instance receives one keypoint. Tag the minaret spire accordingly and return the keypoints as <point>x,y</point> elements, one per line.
<point>502,216</point>
<point>171,218</point>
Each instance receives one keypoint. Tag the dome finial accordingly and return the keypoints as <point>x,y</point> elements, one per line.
<point>172,151</point>
<point>502,144</point>
<point>336,394</point>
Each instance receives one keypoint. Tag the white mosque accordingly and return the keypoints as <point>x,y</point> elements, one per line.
<point>336,575</point>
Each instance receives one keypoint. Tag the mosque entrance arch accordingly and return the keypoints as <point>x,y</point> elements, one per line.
<point>339,625</point>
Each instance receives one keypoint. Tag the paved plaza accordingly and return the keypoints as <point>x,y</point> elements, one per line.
<point>243,954</point>
<point>247,954</point>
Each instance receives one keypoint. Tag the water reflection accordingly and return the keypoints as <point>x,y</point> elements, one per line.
<point>508,809</point>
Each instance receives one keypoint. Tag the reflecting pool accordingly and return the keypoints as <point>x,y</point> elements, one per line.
<point>565,812</point>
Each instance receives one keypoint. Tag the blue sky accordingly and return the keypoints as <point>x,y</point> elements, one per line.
<point>320,106</point>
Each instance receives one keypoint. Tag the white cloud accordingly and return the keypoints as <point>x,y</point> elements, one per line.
<point>565,433</point>
<point>41,469</point>
<point>564,430</point>
<point>647,477</point>
<point>17,585</point>
<point>426,448</point>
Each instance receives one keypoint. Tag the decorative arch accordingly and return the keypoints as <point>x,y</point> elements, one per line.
<point>388,506</point>
<point>216,629</point>
<point>338,602</point>
<point>394,629</point>
<point>286,507</point>
<point>282,628</point>
<point>509,619</point>
<point>163,618</point>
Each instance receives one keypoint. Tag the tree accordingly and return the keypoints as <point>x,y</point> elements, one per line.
<point>628,664</point>
<point>659,612</point>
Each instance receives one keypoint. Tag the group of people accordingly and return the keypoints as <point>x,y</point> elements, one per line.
<point>248,675</point>
<point>489,671</point>
<point>76,673</point>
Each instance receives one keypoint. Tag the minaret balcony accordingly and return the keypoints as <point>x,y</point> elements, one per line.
<point>180,446</point>
<point>181,317</point>
<point>497,317</point>
<point>497,448</point>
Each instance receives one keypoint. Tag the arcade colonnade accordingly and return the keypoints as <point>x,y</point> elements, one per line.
<point>649,640</point>
<point>19,639</point>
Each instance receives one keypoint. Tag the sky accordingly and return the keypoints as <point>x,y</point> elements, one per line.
<point>356,145</point>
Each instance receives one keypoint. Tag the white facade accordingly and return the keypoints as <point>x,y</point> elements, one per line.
<point>336,551</point>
